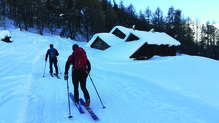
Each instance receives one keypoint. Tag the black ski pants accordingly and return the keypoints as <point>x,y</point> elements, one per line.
<point>80,76</point>
<point>51,62</point>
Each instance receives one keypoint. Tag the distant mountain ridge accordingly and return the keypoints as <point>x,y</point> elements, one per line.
<point>216,25</point>
<point>198,27</point>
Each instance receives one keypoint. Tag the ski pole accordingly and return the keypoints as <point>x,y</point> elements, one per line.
<point>59,67</point>
<point>96,91</point>
<point>68,101</point>
<point>44,70</point>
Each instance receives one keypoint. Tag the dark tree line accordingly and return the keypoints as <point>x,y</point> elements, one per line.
<point>70,18</point>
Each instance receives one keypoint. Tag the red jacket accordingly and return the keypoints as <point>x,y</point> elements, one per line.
<point>71,60</point>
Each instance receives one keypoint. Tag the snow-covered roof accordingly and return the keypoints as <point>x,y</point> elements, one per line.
<point>108,38</point>
<point>125,30</point>
<point>4,33</point>
<point>122,50</point>
<point>158,38</point>
<point>150,37</point>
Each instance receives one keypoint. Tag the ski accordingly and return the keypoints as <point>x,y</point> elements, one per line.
<point>88,109</point>
<point>57,76</point>
<point>78,106</point>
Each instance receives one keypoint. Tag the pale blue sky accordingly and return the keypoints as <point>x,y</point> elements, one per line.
<point>203,10</point>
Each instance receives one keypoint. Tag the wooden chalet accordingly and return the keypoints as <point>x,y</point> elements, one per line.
<point>144,44</point>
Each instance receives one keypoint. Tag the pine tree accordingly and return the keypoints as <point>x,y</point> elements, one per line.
<point>170,21</point>
<point>158,20</point>
<point>148,17</point>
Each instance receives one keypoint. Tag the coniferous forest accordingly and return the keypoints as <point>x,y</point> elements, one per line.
<point>70,18</point>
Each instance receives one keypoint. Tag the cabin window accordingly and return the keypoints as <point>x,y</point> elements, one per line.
<point>119,34</point>
<point>99,44</point>
<point>132,38</point>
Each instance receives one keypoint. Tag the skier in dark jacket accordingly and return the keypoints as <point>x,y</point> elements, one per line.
<point>52,53</point>
<point>79,73</point>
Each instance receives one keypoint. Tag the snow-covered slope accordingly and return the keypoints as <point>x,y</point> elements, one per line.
<point>180,89</point>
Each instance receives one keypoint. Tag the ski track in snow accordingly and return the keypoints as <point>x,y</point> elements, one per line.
<point>128,98</point>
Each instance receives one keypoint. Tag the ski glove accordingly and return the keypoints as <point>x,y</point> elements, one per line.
<point>65,77</point>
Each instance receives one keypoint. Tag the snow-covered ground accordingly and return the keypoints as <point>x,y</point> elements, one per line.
<point>176,89</point>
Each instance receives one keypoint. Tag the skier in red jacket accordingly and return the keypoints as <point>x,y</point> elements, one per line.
<point>81,69</point>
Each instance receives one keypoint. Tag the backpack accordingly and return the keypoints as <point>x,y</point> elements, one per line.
<point>52,53</point>
<point>80,59</point>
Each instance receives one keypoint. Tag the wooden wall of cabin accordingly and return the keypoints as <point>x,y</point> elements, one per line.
<point>147,51</point>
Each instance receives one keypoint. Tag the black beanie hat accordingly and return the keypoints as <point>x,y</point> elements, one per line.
<point>51,45</point>
<point>75,46</point>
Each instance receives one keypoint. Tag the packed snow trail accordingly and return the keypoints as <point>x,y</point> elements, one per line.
<point>23,67</point>
<point>132,91</point>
